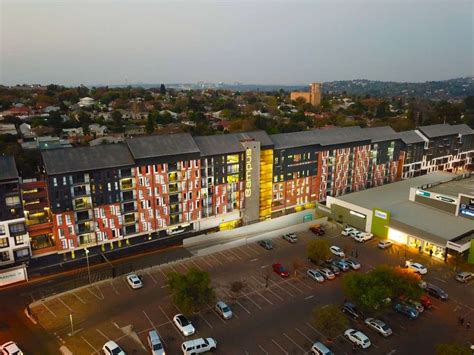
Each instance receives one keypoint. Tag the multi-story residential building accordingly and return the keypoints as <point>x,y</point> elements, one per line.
<point>160,186</point>
<point>14,242</point>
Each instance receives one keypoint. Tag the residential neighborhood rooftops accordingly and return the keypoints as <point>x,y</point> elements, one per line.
<point>8,169</point>
<point>69,160</point>
<point>162,145</point>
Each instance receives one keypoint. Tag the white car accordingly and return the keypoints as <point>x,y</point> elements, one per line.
<point>358,338</point>
<point>155,344</point>
<point>379,326</point>
<point>315,275</point>
<point>183,325</point>
<point>337,251</point>
<point>10,348</point>
<point>328,274</point>
<point>384,244</point>
<point>416,267</point>
<point>134,281</point>
<point>347,231</point>
<point>112,348</point>
<point>362,237</point>
<point>223,310</point>
<point>198,346</point>
<point>290,237</point>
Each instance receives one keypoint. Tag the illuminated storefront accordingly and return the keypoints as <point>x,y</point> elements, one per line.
<point>417,243</point>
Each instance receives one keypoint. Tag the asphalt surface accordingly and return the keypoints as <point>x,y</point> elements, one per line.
<point>271,317</point>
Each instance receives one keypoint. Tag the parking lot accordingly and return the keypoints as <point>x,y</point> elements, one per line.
<point>272,315</point>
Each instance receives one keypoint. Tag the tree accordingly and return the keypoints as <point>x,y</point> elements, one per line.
<point>150,123</point>
<point>318,250</point>
<point>452,349</point>
<point>374,290</point>
<point>191,291</point>
<point>236,287</point>
<point>162,89</point>
<point>297,264</point>
<point>329,320</point>
<point>117,121</point>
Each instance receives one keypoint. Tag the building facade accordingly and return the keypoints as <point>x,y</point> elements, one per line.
<point>166,185</point>
<point>312,97</point>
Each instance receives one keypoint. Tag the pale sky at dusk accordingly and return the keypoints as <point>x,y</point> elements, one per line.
<point>73,42</point>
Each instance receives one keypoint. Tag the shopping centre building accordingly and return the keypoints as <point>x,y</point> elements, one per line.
<point>433,213</point>
<point>170,186</point>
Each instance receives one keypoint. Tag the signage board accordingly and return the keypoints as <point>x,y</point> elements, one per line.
<point>13,275</point>
<point>380,214</point>
<point>251,212</point>
<point>423,193</point>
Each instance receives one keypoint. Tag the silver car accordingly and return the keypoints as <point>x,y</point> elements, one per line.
<point>354,264</point>
<point>379,326</point>
<point>224,310</point>
<point>315,275</point>
<point>328,274</point>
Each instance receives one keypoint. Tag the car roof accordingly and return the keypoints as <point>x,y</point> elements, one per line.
<point>221,303</point>
<point>465,273</point>
<point>111,344</point>
<point>153,334</point>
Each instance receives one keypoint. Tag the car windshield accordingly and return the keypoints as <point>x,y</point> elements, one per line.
<point>157,346</point>
<point>184,321</point>
<point>225,309</point>
<point>116,351</point>
<point>206,342</point>
<point>385,327</point>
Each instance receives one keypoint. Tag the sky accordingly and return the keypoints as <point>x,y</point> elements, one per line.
<point>73,42</point>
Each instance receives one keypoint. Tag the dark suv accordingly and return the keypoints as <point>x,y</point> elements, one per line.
<point>436,292</point>
<point>351,309</point>
<point>267,244</point>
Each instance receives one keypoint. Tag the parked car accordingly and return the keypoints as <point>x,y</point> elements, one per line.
<point>361,237</point>
<point>426,301</point>
<point>317,229</point>
<point>436,292</point>
<point>379,326</point>
<point>415,304</point>
<point>134,281</point>
<point>10,348</point>
<point>198,346</point>
<point>280,270</point>
<point>315,275</point>
<point>155,344</point>
<point>347,231</point>
<point>358,338</point>
<point>290,237</point>
<point>266,244</point>
<point>112,348</point>
<point>319,348</point>
<point>464,276</point>
<point>342,265</point>
<point>416,267</point>
<point>223,310</point>
<point>351,309</point>
<point>183,324</point>
<point>385,244</point>
<point>336,251</point>
<point>335,270</point>
<point>328,274</point>
<point>353,263</point>
<point>407,310</point>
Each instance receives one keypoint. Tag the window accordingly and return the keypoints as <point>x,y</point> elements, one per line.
<point>3,242</point>
<point>17,228</point>
<point>22,253</point>
<point>12,201</point>
<point>68,219</point>
<point>4,256</point>
<point>19,239</point>
<point>2,229</point>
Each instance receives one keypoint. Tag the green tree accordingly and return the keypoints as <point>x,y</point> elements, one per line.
<point>452,349</point>
<point>372,290</point>
<point>329,320</point>
<point>162,89</point>
<point>150,123</point>
<point>191,291</point>
<point>318,250</point>
<point>118,121</point>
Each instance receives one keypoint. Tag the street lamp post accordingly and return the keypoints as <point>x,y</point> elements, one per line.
<point>88,267</point>
<point>72,334</point>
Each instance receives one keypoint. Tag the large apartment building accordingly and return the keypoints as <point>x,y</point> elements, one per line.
<point>170,184</point>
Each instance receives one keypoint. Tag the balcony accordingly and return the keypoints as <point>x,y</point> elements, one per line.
<point>127,184</point>
<point>173,177</point>
<point>129,207</point>
<point>129,219</point>
<point>83,216</point>
<point>82,204</point>
<point>175,209</point>
<point>83,228</point>
<point>174,188</point>
<point>78,191</point>
<point>128,196</point>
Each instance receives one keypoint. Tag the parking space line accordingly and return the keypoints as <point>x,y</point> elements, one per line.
<point>205,320</point>
<point>240,304</point>
<point>105,336</point>
<point>284,334</point>
<point>213,311</point>
<point>64,303</point>
<point>251,300</point>
<point>162,273</point>
<point>85,340</point>
<point>268,288</point>
<point>49,309</point>
<point>152,324</point>
<point>281,348</point>
<point>276,284</point>
<point>196,265</point>
<point>261,348</point>
<point>224,256</point>
<point>99,298</point>
<point>243,251</point>
<point>79,298</point>
<point>249,247</point>
<point>113,286</point>
<point>234,253</point>
<point>304,335</point>
<point>207,262</point>
<point>266,299</point>
<point>289,283</point>
<point>152,277</point>
<point>216,259</point>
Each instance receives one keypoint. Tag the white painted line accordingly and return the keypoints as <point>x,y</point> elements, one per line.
<point>79,298</point>
<point>284,289</point>
<point>254,260</point>
<point>113,286</point>
<point>165,286</point>
<point>164,275</point>
<point>437,278</point>
<point>309,297</point>
<point>64,303</point>
<point>49,309</point>
<point>99,298</point>
<point>234,253</point>
<point>240,304</point>
<point>284,334</point>
<point>207,262</point>
<point>243,251</point>
<point>251,300</point>
<point>304,335</point>
<point>223,255</point>
<point>213,311</point>
<point>196,265</point>
<point>105,336</point>
<point>261,348</point>
<point>296,288</point>
<point>152,277</point>
<point>264,266</point>
<point>268,288</point>
<point>205,320</point>
<point>215,258</point>
<point>93,349</point>
<point>266,299</point>
<point>185,267</point>
<point>281,348</point>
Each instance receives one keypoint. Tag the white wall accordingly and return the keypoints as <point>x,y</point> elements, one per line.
<point>11,240</point>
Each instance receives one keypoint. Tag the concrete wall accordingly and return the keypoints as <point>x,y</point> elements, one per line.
<point>212,222</point>
<point>251,229</point>
<point>332,201</point>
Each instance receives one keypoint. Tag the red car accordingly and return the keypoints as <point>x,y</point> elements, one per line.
<point>280,270</point>
<point>317,229</point>
<point>426,301</point>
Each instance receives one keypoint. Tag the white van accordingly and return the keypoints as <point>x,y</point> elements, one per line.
<point>198,346</point>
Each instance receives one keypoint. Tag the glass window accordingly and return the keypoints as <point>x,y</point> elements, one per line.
<point>232,159</point>
<point>4,256</point>
<point>12,201</point>
<point>3,242</point>
<point>19,239</point>
<point>16,228</point>
<point>2,230</point>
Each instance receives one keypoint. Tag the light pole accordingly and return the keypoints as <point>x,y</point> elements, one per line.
<point>88,268</point>
<point>72,334</point>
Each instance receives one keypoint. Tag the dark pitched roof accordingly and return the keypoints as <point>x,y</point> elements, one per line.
<point>410,137</point>
<point>260,136</point>
<point>439,130</point>
<point>69,160</point>
<point>219,144</point>
<point>380,134</point>
<point>8,169</point>
<point>322,137</point>
<point>162,145</point>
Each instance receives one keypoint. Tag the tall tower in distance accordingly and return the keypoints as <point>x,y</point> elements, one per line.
<point>313,96</point>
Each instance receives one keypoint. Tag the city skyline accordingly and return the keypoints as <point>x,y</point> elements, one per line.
<point>259,42</point>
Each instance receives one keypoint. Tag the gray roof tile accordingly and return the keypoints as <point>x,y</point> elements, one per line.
<point>410,137</point>
<point>439,130</point>
<point>8,169</point>
<point>162,145</point>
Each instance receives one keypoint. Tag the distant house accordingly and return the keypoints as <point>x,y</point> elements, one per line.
<point>132,130</point>
<point>189,123</point>
<point>47,142</point>
<point>73,132</point>
<point>7,128</point>
<point>21,111</point>
<point>97,130</point>
<point>26,132</point>
<point>105,140</point>
<point>173,115</point>
<point>86,102</point>
<point>49,109</point>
